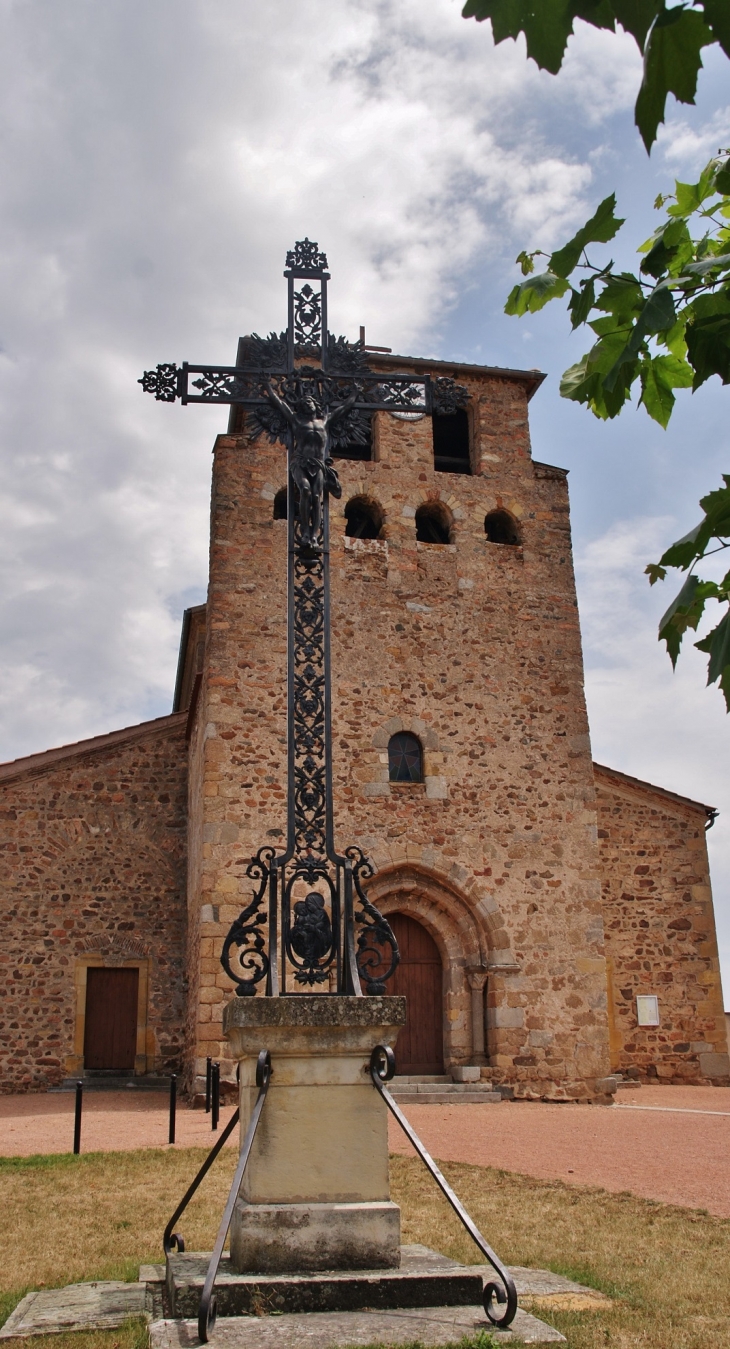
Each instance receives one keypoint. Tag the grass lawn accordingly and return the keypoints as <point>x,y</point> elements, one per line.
<point>667,1269</point>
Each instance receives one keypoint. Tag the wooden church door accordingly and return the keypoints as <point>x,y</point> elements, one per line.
<point>110,1032</point>
<point>419,978</point>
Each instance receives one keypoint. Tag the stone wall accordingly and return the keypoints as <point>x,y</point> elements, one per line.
<point>92,865</point>
<point>660,932</point>
<point>474,645</point>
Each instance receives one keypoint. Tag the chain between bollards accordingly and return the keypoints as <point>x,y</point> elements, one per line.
<point>173,1105</point>
<point>77,1117</point>
<point>215,1105</point>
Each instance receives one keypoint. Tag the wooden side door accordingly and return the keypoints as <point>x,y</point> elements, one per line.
<point>419,978</point>
<point>110,1032</point>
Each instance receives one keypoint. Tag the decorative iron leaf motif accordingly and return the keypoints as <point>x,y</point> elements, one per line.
<point>308,321</point>
<point>306,257</point>
<point>448,397</point>
<point>162,382</point>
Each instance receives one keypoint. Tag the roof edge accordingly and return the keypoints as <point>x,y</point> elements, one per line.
<point>533,378</point>
<point>37,763</point>
<point>641,784</point>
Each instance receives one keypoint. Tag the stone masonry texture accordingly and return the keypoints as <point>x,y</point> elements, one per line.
<point>660,933</point>
<point>549,918</point>
<point>476,648</point>
<point>92,866</point>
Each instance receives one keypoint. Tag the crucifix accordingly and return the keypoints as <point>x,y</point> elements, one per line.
<point>309,921</point>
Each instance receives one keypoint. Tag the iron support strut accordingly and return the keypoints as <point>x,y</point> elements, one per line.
<point>207,1310</point>
<point>382,1069</point>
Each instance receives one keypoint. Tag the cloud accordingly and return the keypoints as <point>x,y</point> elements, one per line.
<point>689,147</point>
<point>157,162</point>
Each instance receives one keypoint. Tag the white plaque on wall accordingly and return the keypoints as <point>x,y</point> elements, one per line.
<point>647,1009</point>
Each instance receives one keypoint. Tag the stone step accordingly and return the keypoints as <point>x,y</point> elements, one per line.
<point>417,1283</point>
<point>403,1079</point>
<point>467,1094</point>
<point>113,1081</point>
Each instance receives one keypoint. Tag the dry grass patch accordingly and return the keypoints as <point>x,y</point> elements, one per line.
<point>98,1216</point>
<point>132,1335</point>
<point>666,1269</point>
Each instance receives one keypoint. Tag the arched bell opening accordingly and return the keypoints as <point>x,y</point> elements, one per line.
<point>364,518</point>
<point>433,523</point>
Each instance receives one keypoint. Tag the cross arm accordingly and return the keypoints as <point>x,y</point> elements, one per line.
<point>241,385</point>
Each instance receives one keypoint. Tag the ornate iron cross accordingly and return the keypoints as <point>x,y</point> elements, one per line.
<point>314,393</point>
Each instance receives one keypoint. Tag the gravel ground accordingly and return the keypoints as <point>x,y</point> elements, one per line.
<point>666,1143</point>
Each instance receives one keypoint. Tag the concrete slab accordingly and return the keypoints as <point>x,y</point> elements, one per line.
<point>428,1326</point>
<point>80,1306</point>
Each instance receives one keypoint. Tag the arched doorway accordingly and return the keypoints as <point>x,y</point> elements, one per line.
<point>418,978</point>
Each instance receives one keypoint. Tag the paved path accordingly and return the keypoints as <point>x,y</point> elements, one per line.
<point>665,1143</point>
<point>112,1121</point>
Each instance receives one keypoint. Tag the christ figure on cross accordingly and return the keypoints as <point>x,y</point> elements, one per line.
<point>311,463</point>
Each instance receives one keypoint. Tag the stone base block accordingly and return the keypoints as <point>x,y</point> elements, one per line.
<point>275,1238</point>
<point>424,1279</point>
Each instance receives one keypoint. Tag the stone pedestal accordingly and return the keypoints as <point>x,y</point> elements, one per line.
<point>315,1194</point>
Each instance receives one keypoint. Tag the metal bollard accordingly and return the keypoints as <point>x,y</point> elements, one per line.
<point>77,1117</point>
<point>208,1083</point>
<point>173,1104</point>
<point>215,1095</point>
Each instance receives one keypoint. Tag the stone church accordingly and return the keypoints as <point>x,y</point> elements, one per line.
<point>554,916</point>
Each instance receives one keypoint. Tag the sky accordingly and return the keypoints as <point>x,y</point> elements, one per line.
<point>158,159</point>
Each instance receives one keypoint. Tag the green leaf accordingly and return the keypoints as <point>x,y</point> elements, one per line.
<point>547,24</point>
<point>721,261</point>
<point>526,262</point>
<point>582,302</point>
<point>690,196</point>
<point>636,16</point>
<point>708,343</point>
<point>585,381</point>
<point>683,553</point>
<point>716,506</point>
<point>622,296</point>
<point>655,572</point>
<point>717,646</point>
<point>669,247</point>
<point>722,179</point>
<point>601,227</point>
<point>534,294</point>
<point>659,376</point>
<point>671,631</point>
<point>672,62</point>
<point>657,315</point>
<point>717,14</point>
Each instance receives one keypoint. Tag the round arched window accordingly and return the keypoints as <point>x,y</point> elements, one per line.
<point>501,527</point>
<point>433,524</point>
<point>280,504</point>
<point>405,758</point>
<point>364,518</point>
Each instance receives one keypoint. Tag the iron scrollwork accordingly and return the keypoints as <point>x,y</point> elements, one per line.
<point>448,397</point>
<point>378,954</point>
<point>245,937</point>
<point>162,382</point>
<point>310,930</point>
